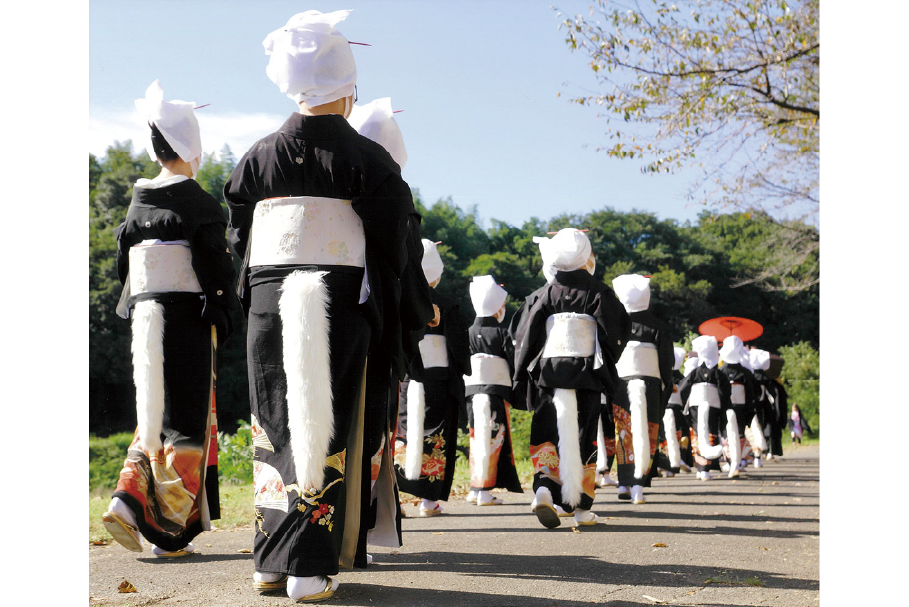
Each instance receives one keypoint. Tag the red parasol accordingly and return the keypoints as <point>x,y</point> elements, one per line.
<point>724,326</point>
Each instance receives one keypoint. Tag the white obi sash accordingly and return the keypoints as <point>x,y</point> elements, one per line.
<point>639,358</point>
<point>301,230</point>
<point>488,370</point>
<point>676,397</point>
<point>569,334</point>
<point>434,351</point>
<point>157,266</point>
<point>704,393</point>
<point>738,394</point>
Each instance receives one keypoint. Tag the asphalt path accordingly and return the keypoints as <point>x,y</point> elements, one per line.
<point>722,543</point>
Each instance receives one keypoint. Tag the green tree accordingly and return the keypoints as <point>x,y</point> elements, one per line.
<point>802,375</point>
<point>730,89</point>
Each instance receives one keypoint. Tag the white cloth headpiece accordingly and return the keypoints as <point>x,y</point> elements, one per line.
<point>176,121</point>
<point>708,354</point>
<point>633,290</point>
<point>432,262</point>
<point>691,363</point>
<point>680,354</point>
<point>760,359</point>
<point>734,351</point>
<point>376,120</point>
<point>568,250</point>
<point>486,295</point>
<point>310,60</point>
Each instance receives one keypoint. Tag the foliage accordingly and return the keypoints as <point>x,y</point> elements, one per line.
<point>235,455</point>
<point>801,375</point>
<point>105,459</point>
<point>730,89</point>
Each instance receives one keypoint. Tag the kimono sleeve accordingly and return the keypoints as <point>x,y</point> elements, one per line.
<point>416,297</point>
<point>532,338</point>
<point>214,267</point>
<point>242,193</point>
<point>614,323</point>
<point>386,212</point>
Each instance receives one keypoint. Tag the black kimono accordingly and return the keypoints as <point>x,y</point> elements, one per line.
<point>586,374</point>
<point>324,168</point>
<point>441,390</point>
<point>705,414</point>
<point>491,454</point>
<point>194,308</point>
<point>744,395</point>
<point>649,335</point>
<point>678,443</point>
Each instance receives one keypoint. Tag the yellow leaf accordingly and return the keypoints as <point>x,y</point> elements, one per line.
<point>244,550</point>
<point>126,587</point>
<point>660,545</point>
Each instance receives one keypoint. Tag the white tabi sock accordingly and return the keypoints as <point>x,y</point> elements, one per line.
<point>430,505</point>
<point>258,576</point>
<point>584,516</point>
<point>299,587</point>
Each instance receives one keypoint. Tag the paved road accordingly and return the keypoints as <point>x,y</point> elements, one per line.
<point>750,541</point>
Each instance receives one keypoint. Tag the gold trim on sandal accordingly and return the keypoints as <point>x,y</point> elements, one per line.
<point>319,596</point>
<point>126,535</point>
<point>279,584</point>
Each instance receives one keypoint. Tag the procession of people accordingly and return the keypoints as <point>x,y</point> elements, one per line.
<point>361,373</point>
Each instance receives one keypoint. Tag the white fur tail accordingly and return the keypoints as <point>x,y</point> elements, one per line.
<point>148,372</point>
<point>640,435</point>
<point>416,411</point>
<point>602,458</point>
<point>732,440</point>
<point>310,416</point>
<point>482,435</point>
<point>672,440</point>
<point>759,443</point>
<point>707,450</point>
<point>571,468</point>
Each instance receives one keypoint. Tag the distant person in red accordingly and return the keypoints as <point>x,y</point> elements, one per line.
<point>797,424</point>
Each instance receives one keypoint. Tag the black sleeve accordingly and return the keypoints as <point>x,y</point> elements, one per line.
<point>213,264</point>
<point>416,297</point>
<point>614,323</point>
<point>666,356</point>
<point>242,193</point>
<point>387,214</point>
<point>456,335</point>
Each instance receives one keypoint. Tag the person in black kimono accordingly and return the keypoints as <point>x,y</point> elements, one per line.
<point>432,395</point>
<point>488,390</point>
<point>645,372</point>
<point>675,446</point>
<point>706,390</point>
<point>744,392</point>
<point>575,332</point>
<point>380,509</point>
<point>760,423</point>
<point>325,226</point>
<point>177,275</point>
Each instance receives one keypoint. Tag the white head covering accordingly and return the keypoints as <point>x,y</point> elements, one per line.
<point>708,355</point>
<point>568,250</point>
<point>734,351</point>
<point>432,261</point>
<point>175,120</point>
<point>486,295</point>
<point>760,359</point>
<point>680,354</point>
<point>633,290</point>
<point>376,120</point>
<point>691,363</point>
<point>310,60</point>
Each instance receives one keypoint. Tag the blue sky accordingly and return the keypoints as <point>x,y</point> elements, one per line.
<point>484,87</point>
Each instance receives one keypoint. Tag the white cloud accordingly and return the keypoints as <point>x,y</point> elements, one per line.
<point>239,131</point>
